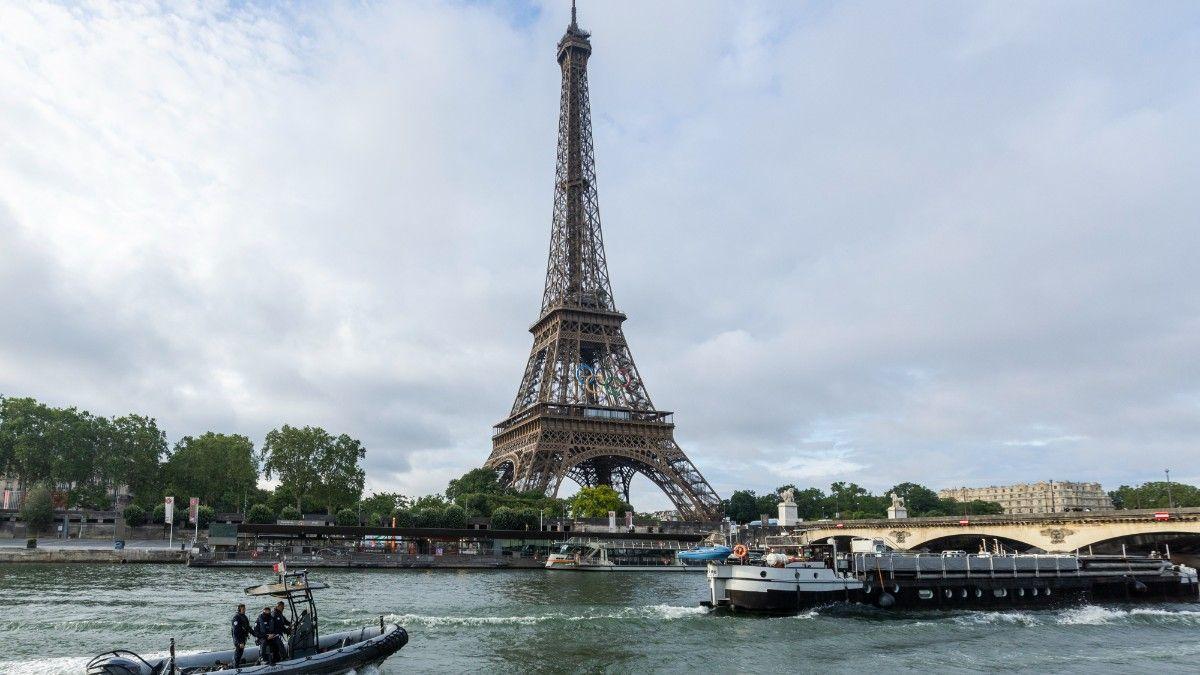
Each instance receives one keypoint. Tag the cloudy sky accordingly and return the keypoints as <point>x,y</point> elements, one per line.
<point>953,243</point>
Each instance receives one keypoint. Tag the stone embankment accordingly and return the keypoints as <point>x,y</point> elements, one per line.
<point>90,555</point>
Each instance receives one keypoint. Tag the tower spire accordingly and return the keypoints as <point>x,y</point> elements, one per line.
<point>573,23</point>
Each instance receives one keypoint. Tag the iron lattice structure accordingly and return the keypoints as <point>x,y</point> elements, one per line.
<point>582,411</point>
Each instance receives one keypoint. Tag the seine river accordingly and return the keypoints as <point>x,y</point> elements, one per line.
<point>53,617</point>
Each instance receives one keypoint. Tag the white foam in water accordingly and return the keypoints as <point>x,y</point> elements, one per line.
<point>666,612</point>
<point>987,618</point>
<point>674,612</point>
<point>54,666</point>
<point>65,664</point>
<point>1092,615</point>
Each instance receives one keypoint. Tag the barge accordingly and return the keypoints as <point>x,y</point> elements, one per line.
<point>785,583</point>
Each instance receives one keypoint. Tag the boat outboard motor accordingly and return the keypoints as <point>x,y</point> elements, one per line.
<point>887,600</point>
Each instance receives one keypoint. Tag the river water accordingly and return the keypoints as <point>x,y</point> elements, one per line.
<point>54,617</point>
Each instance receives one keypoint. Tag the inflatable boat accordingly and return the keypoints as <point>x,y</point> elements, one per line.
<point>705,553</point>
<point>307,651</point>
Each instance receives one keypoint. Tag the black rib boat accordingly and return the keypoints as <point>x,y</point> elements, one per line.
<point>307,650</point>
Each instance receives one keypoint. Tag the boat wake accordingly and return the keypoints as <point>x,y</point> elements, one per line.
<point>1086,615</point>
<point>646,612</point>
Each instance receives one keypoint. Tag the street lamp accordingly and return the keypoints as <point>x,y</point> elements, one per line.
<point>1170,500</point>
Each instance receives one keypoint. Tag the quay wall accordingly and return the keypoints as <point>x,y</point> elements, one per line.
<point>85,555</point>
<point>371,561</point>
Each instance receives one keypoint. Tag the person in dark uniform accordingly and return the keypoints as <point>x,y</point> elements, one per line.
<point>283,626</point>
<point>241,632</point>
<point>267,639</point>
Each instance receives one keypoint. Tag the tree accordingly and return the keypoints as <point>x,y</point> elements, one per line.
<point>595,502</point>
<point>260,513</point>
<point>137,448</point>
<point>38,510</point>
<point>383,503</point>
<point>311,462</point>
<point>290,513</point>
<point>347,517</point>
<point>1155,495</point>
<point>90,496</point>
<point>918,499</point>
<point>205,515</point>
<point>504,518</point>
<point>742,506</point>
<point>402,518</point>
<point>475,481</point>
<point>454,516</point>
<point>218,468</point>
<point>428,516</point>
<point>134,515</point>
<point>27,439</point>
<point>810,504</point>
<point>528,518</point>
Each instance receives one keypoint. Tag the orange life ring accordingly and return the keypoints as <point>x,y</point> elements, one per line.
<point>740,551</point>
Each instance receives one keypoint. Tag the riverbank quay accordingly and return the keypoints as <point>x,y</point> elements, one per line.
<point>263,545</point>
<point>78,554</point>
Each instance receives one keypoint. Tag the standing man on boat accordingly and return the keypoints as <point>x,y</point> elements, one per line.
<point>282,626</point>
<point>241,632</point>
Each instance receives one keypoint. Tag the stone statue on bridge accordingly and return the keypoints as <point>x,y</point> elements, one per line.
<point>897,509</point>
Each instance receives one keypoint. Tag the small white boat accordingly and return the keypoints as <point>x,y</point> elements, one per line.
<point>620,555</point>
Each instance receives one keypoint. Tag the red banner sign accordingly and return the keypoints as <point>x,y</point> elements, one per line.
<point>1162,515</point>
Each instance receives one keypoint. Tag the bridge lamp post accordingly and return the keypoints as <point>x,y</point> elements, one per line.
<point>1170,500</point>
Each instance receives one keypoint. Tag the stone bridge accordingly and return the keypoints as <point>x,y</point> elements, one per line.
<point>1105,531</point>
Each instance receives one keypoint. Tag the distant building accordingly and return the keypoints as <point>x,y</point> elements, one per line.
<point>1039,497</point>
<point>670,516</point>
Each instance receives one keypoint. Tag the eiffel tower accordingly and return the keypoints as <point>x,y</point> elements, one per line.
<point>582,411</point>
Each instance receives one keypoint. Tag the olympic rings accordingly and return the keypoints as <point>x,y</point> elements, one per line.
<point>596,382</point>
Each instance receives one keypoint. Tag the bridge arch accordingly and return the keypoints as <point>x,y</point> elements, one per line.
<point>971,542</point>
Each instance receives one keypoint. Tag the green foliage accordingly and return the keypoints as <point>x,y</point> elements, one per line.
<point>380,503</point>
<point>1154,495</point>
<point>218,468</point>
<point>528,519</point>
<point>428,516</point>
<point>90,496</point>
<point>38,509</point>
<point>918,499</point>
<point>290,513</point>
<point>135,515</point>
<point>476,481</point>
<point>66,446</point>
<point>505,518</point>
<point>313,463</point>
<point>430,502</point>
<point>594,502</point>
<point>260,513</point>
<point>138,448</point>
<point>347,517</point>
<point>205,515</point>
<point>403,518</point>
<point>454,516</point>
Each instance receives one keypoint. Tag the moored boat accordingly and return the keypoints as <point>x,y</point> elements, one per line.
<point>307,650</point>
<point>887,579</point>
<point>621,555</point>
